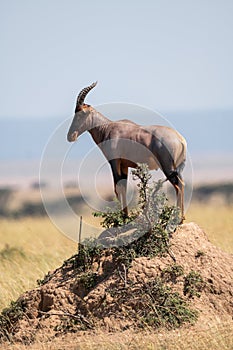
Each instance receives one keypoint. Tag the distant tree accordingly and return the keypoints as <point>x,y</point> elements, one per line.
<point>36,185</point>
<point>5,196</point>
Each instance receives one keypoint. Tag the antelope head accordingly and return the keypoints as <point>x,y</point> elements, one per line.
<point>81,121</point>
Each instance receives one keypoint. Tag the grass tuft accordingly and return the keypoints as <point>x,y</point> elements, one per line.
<point>8,318</point>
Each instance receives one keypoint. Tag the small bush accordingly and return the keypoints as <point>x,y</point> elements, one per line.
<point>8,253</point>
<point>171,273</point>
<point>88,280</point>
<point>152,208</point>
<point>8,317</point>
<point>73,323</point>
<point>153,304</point>
<point>193,284</point>
<point>153,219</point>
<point>88,252</point>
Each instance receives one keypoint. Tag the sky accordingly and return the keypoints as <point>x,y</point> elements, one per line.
<point>165,55</point>
<point>173,57</point>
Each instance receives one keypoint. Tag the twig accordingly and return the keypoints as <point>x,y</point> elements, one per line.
<point>80,232</point>
<point>170,252</point>
<point>124,278</point>
<point>67,314</point>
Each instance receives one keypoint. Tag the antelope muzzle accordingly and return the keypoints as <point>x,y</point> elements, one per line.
<point>71,137</point>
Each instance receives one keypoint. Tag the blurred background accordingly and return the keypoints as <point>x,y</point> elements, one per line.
<point>173,57</point>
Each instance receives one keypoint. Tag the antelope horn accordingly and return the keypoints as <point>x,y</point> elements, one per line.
<point>83,93</point>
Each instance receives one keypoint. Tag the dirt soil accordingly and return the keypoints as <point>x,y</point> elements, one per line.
<point>70,301</point>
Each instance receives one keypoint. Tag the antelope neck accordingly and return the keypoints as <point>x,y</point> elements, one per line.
<point>98,127</point>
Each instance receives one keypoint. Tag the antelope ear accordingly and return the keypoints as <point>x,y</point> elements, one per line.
<point>78,108</point>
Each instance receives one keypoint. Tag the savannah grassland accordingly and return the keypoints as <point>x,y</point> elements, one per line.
<point>30,247</point>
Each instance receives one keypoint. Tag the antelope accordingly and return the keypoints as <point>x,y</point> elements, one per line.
<point>125,143</point>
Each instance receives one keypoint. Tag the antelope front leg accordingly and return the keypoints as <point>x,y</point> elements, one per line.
<point>120,184</point>
<point>177,181</point>
<point>124,178</point>
<point>180,197</point>
<point>121,190</point>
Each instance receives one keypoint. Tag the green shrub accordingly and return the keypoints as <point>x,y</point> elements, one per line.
<point>171,273</point>
<point>193,284</point>
<point>153,304</point>
<point>8,317</point>
<point>8,253</point>
<point>88,280</point>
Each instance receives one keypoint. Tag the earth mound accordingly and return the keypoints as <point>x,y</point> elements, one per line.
<point>189,287</point>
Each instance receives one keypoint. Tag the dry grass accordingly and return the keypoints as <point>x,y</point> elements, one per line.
<point>216,219</point>
<point>215,337</point>
<point>29,248</point>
